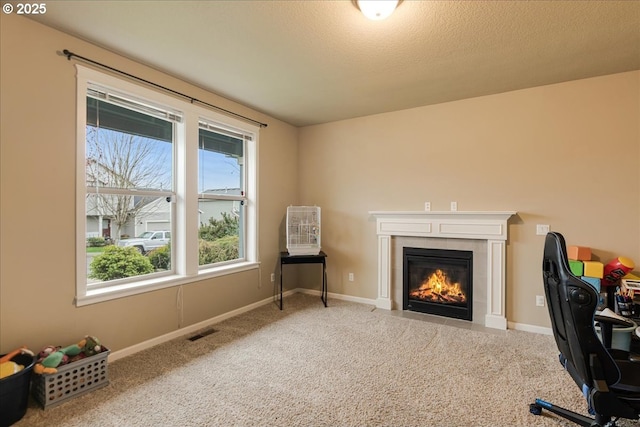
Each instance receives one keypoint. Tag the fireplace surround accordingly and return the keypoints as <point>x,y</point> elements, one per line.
<point>485,231</point>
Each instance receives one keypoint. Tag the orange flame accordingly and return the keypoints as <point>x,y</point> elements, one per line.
<point>438,288</point>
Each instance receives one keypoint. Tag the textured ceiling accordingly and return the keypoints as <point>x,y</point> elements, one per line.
<point>309,62</point>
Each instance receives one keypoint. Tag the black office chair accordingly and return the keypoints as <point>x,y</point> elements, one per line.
<point>610,386</point>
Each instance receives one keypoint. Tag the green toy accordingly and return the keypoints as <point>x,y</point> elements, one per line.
<point>49,364</point>
<point>91,346</point>
<point>50,358</point>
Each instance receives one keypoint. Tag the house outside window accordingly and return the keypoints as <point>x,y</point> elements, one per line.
<point>221,194</point>
<point>153,169</point>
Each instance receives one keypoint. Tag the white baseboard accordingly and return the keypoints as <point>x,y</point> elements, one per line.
<point>119,354</point>
<point>529,328</point>
<point>337,296</point>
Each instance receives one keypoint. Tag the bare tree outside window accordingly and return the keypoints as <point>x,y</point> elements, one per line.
<point>123,161</point>
<point>157,174</point>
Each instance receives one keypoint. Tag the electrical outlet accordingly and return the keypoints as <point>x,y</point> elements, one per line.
<point>427,206</point>
<point>454,206</point>
<point>351,278</point>
<point>540,300</point>
<point>542,229</point>
<point>273,277</point>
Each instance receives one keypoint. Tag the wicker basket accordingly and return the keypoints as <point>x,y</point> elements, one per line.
<point>72,380</point>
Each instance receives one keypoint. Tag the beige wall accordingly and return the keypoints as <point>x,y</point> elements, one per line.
<point>566,155</point>
<point>37,252</point>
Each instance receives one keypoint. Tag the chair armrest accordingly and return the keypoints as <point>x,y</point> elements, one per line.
<point>613,320</point>
<point>607,319</point>
<point>606,324</point>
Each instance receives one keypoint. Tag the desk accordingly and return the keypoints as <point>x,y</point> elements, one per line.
<point>321,258</point>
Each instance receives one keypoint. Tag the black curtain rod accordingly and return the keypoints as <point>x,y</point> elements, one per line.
<point>70,55</point>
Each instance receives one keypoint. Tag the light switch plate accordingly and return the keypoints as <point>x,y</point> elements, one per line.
<point>542,229</point>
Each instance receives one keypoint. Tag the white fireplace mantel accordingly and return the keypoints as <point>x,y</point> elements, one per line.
<point>487,225</point>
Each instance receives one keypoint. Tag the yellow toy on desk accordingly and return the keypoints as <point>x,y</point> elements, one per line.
<point>593,269</point>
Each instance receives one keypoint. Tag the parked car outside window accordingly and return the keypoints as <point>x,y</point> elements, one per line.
<point>147,241</point>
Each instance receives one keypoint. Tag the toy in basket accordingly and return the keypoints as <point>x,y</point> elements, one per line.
<point>303,230</point>
<point>69,372</point>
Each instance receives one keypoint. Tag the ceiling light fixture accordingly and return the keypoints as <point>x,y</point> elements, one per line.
<point>377,10</point>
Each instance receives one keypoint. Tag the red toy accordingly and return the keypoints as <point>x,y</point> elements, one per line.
<point>616,269</point>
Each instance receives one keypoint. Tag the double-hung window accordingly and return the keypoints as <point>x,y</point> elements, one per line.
<point>221,193</point>
<point>165,190</point>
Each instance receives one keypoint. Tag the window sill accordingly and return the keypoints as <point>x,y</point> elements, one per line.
<point>121,291</point>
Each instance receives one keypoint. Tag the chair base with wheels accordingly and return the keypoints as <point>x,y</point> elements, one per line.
<point>536,409</point>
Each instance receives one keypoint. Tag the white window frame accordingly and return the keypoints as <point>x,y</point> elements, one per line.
<point>185,224</point>
<point>213,126</point>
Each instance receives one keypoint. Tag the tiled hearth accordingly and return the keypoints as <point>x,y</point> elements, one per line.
<point>484,233</point>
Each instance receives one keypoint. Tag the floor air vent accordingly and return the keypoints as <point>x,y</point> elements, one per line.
<point>202,334</point>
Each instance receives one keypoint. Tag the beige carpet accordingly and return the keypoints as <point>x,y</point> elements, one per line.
<point>345,365</point>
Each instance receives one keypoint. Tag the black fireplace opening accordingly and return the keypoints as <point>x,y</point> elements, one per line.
<point>438,281</point>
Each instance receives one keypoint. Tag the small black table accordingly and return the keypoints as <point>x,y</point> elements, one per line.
<point>321,258</point>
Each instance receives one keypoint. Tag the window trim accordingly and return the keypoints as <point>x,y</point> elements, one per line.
<point>212,126</point>
<point>184,242</point>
